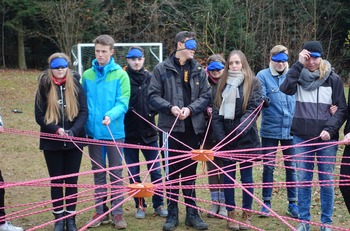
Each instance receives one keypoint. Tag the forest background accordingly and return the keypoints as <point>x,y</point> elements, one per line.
<point>31,30</point>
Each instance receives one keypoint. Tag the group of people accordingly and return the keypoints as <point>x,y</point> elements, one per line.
<point>301,104</point>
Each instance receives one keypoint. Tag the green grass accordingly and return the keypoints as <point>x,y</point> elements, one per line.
<point>21,160</point>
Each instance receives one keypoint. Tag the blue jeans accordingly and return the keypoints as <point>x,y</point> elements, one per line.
<point>131,157</point>
<point>246,171</point>
<point>269,167</point>
<point>304,192</point>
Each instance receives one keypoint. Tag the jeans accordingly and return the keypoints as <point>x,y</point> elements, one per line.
<point>246,171</point>
<point>269,167</point>
<point>131,157</point>
<point>307,153</point>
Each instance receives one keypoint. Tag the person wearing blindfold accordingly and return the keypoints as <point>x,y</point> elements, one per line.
<point>107,88</point>
<point>61,109</point>
<point>238,95</point>
<point>215,69</point>
<point>276,121</point>
<point>180,92</point>
<point>138,131</point>
<point>316,87</point>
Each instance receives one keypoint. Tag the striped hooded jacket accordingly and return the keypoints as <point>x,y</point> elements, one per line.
<point>312,114</point>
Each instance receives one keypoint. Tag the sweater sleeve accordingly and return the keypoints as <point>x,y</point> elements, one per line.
<point>289,85</point>
<point>122,98</point>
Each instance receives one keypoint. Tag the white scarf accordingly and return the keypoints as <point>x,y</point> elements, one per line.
<point>230,94</point>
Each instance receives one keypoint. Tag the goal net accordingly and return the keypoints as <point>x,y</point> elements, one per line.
<point>84,53</point>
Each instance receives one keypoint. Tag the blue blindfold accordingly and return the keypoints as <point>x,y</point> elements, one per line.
<point>215,66</point>
<point>134,53</point>
<point>191,44</point>
<point>315,54</point>
<point>58,63</point>
<point>280,57</point>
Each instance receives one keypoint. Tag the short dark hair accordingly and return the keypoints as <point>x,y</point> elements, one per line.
<point>181,36</point>
<point>104,39</point>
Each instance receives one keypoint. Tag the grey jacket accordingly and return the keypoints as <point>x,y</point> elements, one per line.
<point>165,91</point>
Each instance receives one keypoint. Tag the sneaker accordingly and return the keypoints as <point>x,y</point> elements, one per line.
<point>293,210</point>
<point>161,211</point>
<point>98,220</point>
<point>303,227</point>
<point>264,210</point>
<point>119,222</point>
<point>214,209</point>
<point>325,229</point>
<point>140,213</point>
<point>9,227</point>
<point>222,211</point>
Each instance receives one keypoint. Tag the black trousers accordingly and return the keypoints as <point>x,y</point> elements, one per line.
<point>345,176</point>
<point>2,200</point>
<point>187,167</point>
<point>61,163</point>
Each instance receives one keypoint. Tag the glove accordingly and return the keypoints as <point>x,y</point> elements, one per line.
<point>266,101</point>
<point>69,132</point>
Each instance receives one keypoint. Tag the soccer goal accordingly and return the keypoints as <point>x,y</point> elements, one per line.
<point>84,53</point>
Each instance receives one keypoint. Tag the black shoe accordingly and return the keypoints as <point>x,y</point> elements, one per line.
<point>172,220</point>
<point>193,219</point>
<point>59,225</point>
<point>70,223</point>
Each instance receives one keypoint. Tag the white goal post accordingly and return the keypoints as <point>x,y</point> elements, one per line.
<point>84,53</point>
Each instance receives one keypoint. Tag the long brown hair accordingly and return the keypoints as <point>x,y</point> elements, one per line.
<point>248,79</point>
<point>52,114</point>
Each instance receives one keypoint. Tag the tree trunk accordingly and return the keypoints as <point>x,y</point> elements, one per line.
<point>20,44</point>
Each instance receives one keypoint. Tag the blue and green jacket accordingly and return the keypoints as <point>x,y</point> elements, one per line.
<point>108,91</point>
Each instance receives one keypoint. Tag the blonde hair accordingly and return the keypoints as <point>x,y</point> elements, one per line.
<point>323,68</point>
<point>278,49</point>
<point>52,114</point>
<point>248,79</point>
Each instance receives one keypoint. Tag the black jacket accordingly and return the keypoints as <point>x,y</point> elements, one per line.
<point>222,127</point>
<point>137,130</point>
<point>76,126</point>
<point>166,90</point>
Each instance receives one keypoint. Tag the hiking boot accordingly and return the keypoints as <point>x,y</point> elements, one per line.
<point>172,220</point>
<point>98,220</point>
<point>193,219</point>
<point>230,224</point>
<point>214,209</point>
<point>246,219</point>
<point>9,227</point>
<point>119,222</point>
<point>140,213</point>
<point>59,225</point>
<point>161,211</point>
<point>70,223</point>
<point>264,210</point>
<point>293,210</point>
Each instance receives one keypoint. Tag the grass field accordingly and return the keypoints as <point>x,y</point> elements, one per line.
<point>21,160</point>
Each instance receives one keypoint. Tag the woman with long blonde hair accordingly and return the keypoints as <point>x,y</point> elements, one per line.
<point>61,109</point>
<point>239,93</point>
